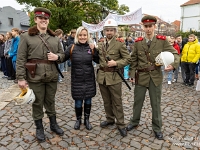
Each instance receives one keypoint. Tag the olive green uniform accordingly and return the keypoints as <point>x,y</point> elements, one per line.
<point>151,80</point>
<point>110,82</point>
<point>44,84</point>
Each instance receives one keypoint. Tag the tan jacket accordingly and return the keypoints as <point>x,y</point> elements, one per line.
<point>139,59</point>
<point>116,51</point>
<point>32,47</point>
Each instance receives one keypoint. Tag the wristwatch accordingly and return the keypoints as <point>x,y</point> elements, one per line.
<point>58,58</point>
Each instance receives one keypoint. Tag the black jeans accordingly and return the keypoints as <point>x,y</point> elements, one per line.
<point>189,69</point>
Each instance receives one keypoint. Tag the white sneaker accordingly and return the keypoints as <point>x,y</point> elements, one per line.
<point>169,82</point>
<point>175,80</point>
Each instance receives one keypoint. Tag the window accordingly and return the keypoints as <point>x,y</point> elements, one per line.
<point>10,21</point>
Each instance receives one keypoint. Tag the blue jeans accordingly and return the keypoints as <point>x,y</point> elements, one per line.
<point>79,103</point>
<point>14,65</point>
<point>61,67</point>
<point>170,75</point>
<point>126,70</point>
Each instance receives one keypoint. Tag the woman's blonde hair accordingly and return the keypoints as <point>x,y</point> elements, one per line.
<point>78,31</point>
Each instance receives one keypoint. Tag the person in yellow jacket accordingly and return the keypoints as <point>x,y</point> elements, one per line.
<point>190,56</point>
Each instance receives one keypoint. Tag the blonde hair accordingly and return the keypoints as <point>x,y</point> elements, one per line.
<point>192,35</point>
<point>78,31</point>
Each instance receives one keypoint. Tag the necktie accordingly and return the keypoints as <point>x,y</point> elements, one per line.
<point>149,43</point>
<point>106,45</point>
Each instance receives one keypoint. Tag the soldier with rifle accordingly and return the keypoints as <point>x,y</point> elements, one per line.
<point>113,56</point>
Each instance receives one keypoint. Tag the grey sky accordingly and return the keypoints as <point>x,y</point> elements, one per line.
<point>167,10</point>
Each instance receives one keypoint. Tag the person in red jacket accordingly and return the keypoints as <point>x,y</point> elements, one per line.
<point>172,41</point>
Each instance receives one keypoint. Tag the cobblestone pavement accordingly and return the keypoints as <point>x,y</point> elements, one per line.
<point>180,113</point>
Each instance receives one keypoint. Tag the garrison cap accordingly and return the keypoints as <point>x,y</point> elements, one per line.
<point>42,12</point>
<point>148,20</point>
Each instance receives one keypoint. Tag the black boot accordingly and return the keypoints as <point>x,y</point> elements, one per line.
<point>87,109</point>
<point>78,116</point>
<point>39,130</point>
<point>54,126</point>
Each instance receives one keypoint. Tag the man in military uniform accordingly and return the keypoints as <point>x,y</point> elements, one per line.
<point>43,81</point>
<point>147,75</point>
<point>113,55</point>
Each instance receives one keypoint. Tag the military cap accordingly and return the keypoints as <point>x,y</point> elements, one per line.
<point>42,12</point>
<point>148,20</point>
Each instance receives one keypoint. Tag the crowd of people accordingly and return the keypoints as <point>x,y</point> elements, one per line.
<point>46,54</point>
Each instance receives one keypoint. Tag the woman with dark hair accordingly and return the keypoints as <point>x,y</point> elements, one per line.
<point>3,61</point>
<point>83,84</point>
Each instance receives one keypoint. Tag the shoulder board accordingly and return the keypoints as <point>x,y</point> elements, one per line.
<point>120,40</point>
<point>139,39</point>
<point>161,37</point>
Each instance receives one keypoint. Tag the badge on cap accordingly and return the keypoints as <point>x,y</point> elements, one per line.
<point>43,13</point>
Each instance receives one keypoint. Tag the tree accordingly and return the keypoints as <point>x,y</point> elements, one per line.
<point>68,14</point>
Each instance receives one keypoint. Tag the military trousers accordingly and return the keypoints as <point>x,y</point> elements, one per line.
<point>45,97</point>
<point>155,100</point>
<point>112,97</point>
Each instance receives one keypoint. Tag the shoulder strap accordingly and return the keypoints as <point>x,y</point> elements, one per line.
<point>72,48</point>
<point>49,50</point>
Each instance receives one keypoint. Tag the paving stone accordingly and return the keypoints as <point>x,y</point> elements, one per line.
<point>135,144</point>
<point>63,144</point>
<point>12,146</point>
<point>3,148</point>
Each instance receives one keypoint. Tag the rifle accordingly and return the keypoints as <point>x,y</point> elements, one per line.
<point>108,58</point>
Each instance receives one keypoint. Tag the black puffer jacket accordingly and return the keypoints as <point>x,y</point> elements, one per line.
<point>83,84</point>
<point>2,46</point>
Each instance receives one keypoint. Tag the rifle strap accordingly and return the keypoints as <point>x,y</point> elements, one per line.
<point>49,50</point>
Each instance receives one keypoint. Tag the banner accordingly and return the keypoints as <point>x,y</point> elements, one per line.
<point>132,18</point>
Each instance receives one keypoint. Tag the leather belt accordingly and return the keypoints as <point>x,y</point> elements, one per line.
<point>40,61</point>
<point>151,68</point>
<point>108,69</point>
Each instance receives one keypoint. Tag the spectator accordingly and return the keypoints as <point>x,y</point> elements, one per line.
<point>9,65</point>
<point>14,48</point>
<point>172,42</point>
<point>3,60</point>
<point>59,34</point>
<point>190,56</point>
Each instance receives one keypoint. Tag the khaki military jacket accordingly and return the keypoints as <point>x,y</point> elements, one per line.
<point>139,59</point>
<point>32,47</point>
<point>116,51</point>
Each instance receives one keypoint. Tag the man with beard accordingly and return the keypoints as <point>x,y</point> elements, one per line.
<point>43,81</point>
<point>147,75</point>
<point>113,56</point>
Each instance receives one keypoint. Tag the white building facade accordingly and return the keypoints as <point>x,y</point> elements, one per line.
<point>190,16</point>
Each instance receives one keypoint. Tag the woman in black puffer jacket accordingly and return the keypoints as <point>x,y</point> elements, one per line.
<point>83,84</point>
<point>3,61</point>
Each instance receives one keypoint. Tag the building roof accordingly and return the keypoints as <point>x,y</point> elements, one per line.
<point>191,2</point>
<point>177,23</point>
<point>24,18</point>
